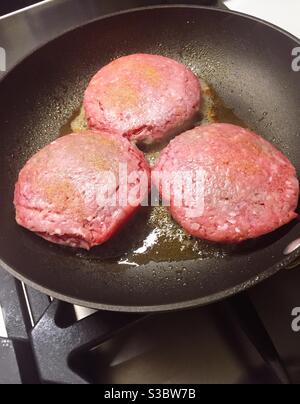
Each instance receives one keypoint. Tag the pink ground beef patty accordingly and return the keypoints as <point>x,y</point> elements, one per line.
<point>145,98</point>
<point>250,187</point>
<point>57,193</point>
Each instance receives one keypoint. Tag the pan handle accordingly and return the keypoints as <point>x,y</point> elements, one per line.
<point>294,264</point>
<point>289,250</point>
<point>254,329</point>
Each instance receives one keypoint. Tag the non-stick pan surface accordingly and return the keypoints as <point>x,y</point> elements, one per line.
<point>248,63</point>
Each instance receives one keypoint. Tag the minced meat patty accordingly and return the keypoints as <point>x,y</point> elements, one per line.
<point>249,189</point>
<point>145,98</point>
<point>66,195</point>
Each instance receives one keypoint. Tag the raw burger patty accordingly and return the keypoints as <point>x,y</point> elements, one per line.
<point>63,191</point>
<point>250,188</point>
<point>142,97</point>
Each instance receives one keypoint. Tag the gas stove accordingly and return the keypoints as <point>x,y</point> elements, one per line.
<point>251,338</point>
<point>248,339</point>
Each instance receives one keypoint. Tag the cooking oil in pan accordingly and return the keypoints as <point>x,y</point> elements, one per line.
<point>167,241</point>
<point>152,235</point>
<point>214,110</point>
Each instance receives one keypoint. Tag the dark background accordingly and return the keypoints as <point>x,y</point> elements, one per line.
<point>7,6</point>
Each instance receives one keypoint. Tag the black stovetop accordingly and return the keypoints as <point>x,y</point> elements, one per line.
<point>8,6</point>
<point>46,343</point>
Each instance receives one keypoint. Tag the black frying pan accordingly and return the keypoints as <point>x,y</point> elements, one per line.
<point>248,63</point>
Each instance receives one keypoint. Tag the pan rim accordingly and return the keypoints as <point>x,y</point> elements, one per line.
<point>171,306</point>
<point>140,9</point>
<point>189,304</point>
